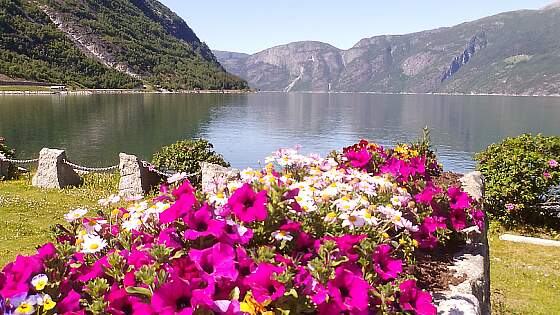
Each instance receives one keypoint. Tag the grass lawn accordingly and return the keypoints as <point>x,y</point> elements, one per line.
<point>525,278</point>
<point>28,213</point>
<point>24,88</point>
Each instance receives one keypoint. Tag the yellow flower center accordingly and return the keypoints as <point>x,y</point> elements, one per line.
<point>352,219</point>
<point>331,215</point>
<point>385,235</point>
<point>94,246</point>
<point>220,195</point>
<point>398,218</point>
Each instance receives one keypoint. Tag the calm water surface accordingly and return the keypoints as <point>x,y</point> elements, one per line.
<point>245,128</point>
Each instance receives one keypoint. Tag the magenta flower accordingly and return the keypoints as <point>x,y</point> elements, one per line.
<point>47,251</point>
<point>424,236</point>
<point>184,269</point>
<point>478,218</point>
<point>247,205</point>
<point>202,224</point>
<point>458,219</point>
<point>186,189</point>
<point>216,261</point>
<point>358,159</point>
<point>386,267</point>
<point>234,233</point>
<point>70,303</point>
<point>427,195</point>
<point>170,238</point>
<point>346,245</point>
<point>174,297</point>
<point>120,303</point>
<point>510,207</point>
<point>413,299</point>
<point>18,274</point>
<point>553,163</point>
<point>263,284</point>
<point>139,258</point>
<point>245,264</point>
<point>179,209</point>
<point>547,175</point>
<point>457,198</point>
<point>349,291</point>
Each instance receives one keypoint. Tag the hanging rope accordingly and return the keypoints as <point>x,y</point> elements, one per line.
<point>90,169</point>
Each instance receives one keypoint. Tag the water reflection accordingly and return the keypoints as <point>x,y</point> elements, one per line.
<point>246,128</point>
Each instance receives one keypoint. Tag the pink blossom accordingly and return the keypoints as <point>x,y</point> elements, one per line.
<point>510,206</point>
<point>216,261</point>
<point>18,274</point>
<point>458,219</point>
<point>247,205</point>
<point>349,291</point>
<point>427,194</point>
<point>263,284</point>
<point>175,297</point>
<point>70,303</point>
<point>386,267</point>
<point>182,207</point>
<point>202,224</point>
<point>547,175</point>
<point>413,299</point>
<point>120,303</point>
<point>358,159</point>
<point>553,163</point>
<point>457,198</point>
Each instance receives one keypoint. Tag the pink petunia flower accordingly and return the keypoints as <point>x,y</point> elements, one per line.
<point>458,199</point>
<point>415,300</point>
<point>349,291</point>
<point>358,159</point>
<point>202,224</point>
<point>247,205</point>
<point>553,163</point>
<point>458,219</point>
<point>216,261</point>
<point>386,267</point>
<point>547,175</point>
<point>263,284</point>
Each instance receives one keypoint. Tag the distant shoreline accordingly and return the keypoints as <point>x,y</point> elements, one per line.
<point>127,91</point>
<point>122,91</point>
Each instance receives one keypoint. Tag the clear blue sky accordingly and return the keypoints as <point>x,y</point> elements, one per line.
<point>251,25</point>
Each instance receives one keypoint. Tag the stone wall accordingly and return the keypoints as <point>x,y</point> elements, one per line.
<point>471,297</point>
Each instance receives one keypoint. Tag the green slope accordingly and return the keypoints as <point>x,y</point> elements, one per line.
<point>32,48</point>
<point>142,37</point>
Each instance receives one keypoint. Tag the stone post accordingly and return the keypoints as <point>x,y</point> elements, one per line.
<point>53,172</point>
<point>212,174</point>
<point>4,168</point>
<point>135,178</point>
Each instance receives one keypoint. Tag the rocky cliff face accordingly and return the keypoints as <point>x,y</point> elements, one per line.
<point>474,57</point>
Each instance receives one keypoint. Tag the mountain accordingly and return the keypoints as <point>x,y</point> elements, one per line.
<point>510,53</point>
<point>105,44</point>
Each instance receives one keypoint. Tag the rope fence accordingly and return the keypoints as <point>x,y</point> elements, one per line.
<point>145,164</point>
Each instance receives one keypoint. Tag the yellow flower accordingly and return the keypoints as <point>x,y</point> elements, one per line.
<point>415,243</point>
<point>25,308</point>
<point>252,307</point>
<point>116,212</point>
<point>48,304</point>
<point>385,235</point>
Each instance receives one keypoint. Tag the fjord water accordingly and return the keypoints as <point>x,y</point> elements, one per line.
<point>247,127</point>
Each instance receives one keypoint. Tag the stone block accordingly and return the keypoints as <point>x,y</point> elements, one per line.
<point>213,174</point>
<point>53,172</point>
<point>136,179</point>
<point>472,296</point>
<point>4,168</point>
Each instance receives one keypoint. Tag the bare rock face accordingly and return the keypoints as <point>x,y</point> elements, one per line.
<point>53,172</point>
<point>135,178</point>
<point>213,174</point>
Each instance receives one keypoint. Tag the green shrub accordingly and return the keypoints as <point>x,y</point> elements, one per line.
<point>185,156</point>
<point>10,154</point>
<point>519,172</point>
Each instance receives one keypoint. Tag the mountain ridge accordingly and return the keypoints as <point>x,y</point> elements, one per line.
<point>509,53</point>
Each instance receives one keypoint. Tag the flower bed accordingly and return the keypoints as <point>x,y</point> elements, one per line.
<point>305,234</point>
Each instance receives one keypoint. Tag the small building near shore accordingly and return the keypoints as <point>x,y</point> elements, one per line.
<point>58,87</point>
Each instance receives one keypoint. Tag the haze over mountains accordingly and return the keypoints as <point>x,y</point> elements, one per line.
<point>510,53</point>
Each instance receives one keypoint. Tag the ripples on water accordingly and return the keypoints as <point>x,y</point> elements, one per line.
<point>247,127</point>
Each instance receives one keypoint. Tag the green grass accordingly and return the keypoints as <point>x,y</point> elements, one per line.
<point>23,88</point>
<point>28,213</point>
<point>525,279</point>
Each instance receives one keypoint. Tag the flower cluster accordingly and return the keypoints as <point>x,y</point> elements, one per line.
<point>305,234</point>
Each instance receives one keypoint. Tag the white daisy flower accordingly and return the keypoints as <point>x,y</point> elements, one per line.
<point>352,220</point>
<point>282,236</point>
<point>75,215</point>
<point>93,244</point>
